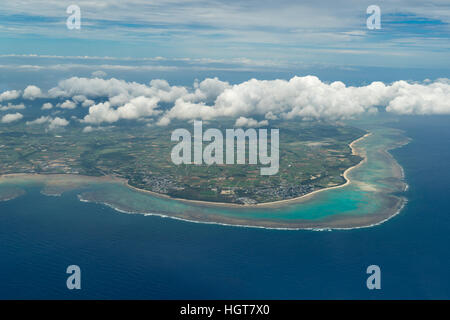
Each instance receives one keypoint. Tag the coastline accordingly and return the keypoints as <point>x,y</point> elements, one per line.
<point>272,203</point>
<point>343,222</point>
<point>339,221</point>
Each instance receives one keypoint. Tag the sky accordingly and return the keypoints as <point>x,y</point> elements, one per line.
<point>248,34</point>
<point>206,58</point>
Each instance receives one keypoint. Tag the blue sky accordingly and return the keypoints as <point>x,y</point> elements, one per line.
<point>253,59</point>
<point>216,37</point>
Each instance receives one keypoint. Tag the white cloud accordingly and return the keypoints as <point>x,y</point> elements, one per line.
<point>11,117</point>
<point>309,97</point>
<point>53,123</point>
<point>297,98</point>
<point>11,106</point>
<point>164,121</point>
<point>139,107</point>
<point>250,122</point>
<point>88,103</point>
<point>185,110</point>
<point>99,74</point>
<point>421,99</point>
<point>41,120</point>
<point>118,100</point>
<point>101,112</point>
<point>57,123</point>
<point>119,91</point>
<point>47,106</point>
<point>81,66</point>
<point>270,116</point>
<point>9,95</point>
<point>79,98</point>
<point>207,91</point>
<point>32,92</point>
<point>88,129</point>
<point>68,105</point>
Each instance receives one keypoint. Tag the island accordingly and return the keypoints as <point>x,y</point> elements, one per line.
<point>313,156</point>
<point>331,175</point>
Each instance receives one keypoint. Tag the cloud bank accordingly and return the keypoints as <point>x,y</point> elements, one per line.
<point>251,103</point>
<point>297,98</point>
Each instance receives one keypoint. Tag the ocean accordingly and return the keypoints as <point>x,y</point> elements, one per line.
<point>132,256</point>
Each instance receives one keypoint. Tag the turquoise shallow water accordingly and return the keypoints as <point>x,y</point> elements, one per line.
<point>355,199</point>
<point>147,257</point>
<point>366,201</point>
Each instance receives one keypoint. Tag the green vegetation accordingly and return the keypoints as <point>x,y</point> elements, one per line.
<point>313,155</point>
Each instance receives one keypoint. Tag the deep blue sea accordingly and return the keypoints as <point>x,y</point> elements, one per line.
<point>126,256</point>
